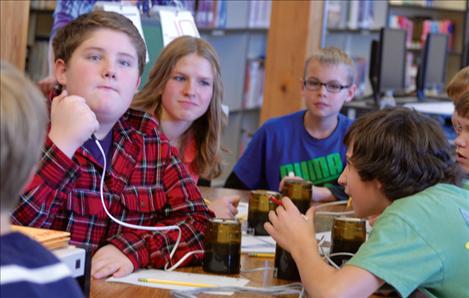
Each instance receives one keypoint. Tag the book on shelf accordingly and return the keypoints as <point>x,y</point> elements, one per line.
<point>337,14</point>
<point>361,14</point>
<point>253,83</point>
<point>52,239</point>
<point>418,28</point>
<point>438,26</point>
<point>402,22</point>
<point>259,13</point>
<point>211,14</point>
<point>43,4</point>
<point>354,14</point>
<point>37,63</point>
<point>452,4</point>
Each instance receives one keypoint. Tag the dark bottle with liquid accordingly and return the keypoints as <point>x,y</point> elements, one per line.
<point>300,192</point>
<point>258,212</point>
<point>347,235</point>
<point>222,246</point>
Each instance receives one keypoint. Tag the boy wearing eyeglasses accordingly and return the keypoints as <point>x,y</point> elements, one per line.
<point>308,143</point>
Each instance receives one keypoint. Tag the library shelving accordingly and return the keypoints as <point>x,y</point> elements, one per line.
<point>352,27</point>
<point>40,25</point>
<point>240,43</point>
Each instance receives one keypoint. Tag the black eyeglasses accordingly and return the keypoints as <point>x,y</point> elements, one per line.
<point>333,87</point>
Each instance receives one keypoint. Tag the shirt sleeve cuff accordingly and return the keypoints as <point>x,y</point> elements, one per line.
<point>133,247</point>
<point>56,169</point>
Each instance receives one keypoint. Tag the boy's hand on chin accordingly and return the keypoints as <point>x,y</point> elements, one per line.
<point>72,122</point>
<point>108,260</point>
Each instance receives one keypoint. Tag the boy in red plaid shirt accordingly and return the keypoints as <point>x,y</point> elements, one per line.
<point>99,59</point>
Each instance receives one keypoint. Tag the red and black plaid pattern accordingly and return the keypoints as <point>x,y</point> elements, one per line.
<point>146,184</point>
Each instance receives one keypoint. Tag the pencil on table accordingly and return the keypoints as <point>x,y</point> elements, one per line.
<point>176,283</point>
<point>261,255</point>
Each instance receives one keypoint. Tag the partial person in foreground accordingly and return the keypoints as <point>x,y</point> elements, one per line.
<point>398,165</point>
<point>308,143</point>
<point>461,126</point>
<point>458,91</point>
<point>27,269</point>
<point>185,93</point>
<point>459,84</point>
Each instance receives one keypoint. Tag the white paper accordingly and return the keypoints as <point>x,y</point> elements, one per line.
<point>266,244</point>
<point>217,280</point>
<point>257,244</point>
<point>243,208</point>
<point>176,23</point>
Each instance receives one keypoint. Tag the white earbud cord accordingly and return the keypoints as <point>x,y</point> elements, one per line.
<point>138,227</point>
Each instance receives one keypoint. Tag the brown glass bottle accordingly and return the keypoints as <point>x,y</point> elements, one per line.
<point>300,193</point>
<point>222,246</point>
<point>347,235</point>
<point>258,212</point>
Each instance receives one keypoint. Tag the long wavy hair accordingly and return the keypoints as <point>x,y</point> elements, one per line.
<point>206,129</point>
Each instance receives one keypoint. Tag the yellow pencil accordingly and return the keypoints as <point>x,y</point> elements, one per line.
<point>261,255</point>
<point>207,201</point>
<point>176,283</point>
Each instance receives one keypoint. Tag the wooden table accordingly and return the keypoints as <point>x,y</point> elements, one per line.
<point>103,289</point>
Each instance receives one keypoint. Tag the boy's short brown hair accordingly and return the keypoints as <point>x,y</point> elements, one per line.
<point>23,123</point>
<point>462,105</point>
<point>73,34</point>
<point>459,84</point>
<point>404,150</point>
<point>333,56</point>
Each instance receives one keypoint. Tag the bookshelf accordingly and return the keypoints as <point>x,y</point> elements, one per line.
<point>40,25</point>
<point>352,30</point>
<point>448,16</point>
<point>240,41</point>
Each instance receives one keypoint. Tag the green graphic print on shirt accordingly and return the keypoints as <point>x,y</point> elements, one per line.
<point>317,170</point>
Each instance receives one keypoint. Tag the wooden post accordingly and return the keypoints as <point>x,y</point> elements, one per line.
<point>294,34</point>
<point>14,19</point>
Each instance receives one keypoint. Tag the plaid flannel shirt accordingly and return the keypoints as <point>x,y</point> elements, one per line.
<point>146,184</point>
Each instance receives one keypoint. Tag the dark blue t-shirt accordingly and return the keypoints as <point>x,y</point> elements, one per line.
<point>27,269</point>
<point>283,145</point>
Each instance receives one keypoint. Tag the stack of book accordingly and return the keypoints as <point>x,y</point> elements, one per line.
<point>52,239</point>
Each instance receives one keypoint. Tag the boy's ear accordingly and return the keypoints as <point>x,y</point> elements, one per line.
<point>60,69</point>
<point>351,92</point>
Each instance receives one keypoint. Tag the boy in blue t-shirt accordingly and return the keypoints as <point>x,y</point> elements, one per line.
<point>399,165</point>
<point>307,143</point>
<point>27,269</point>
